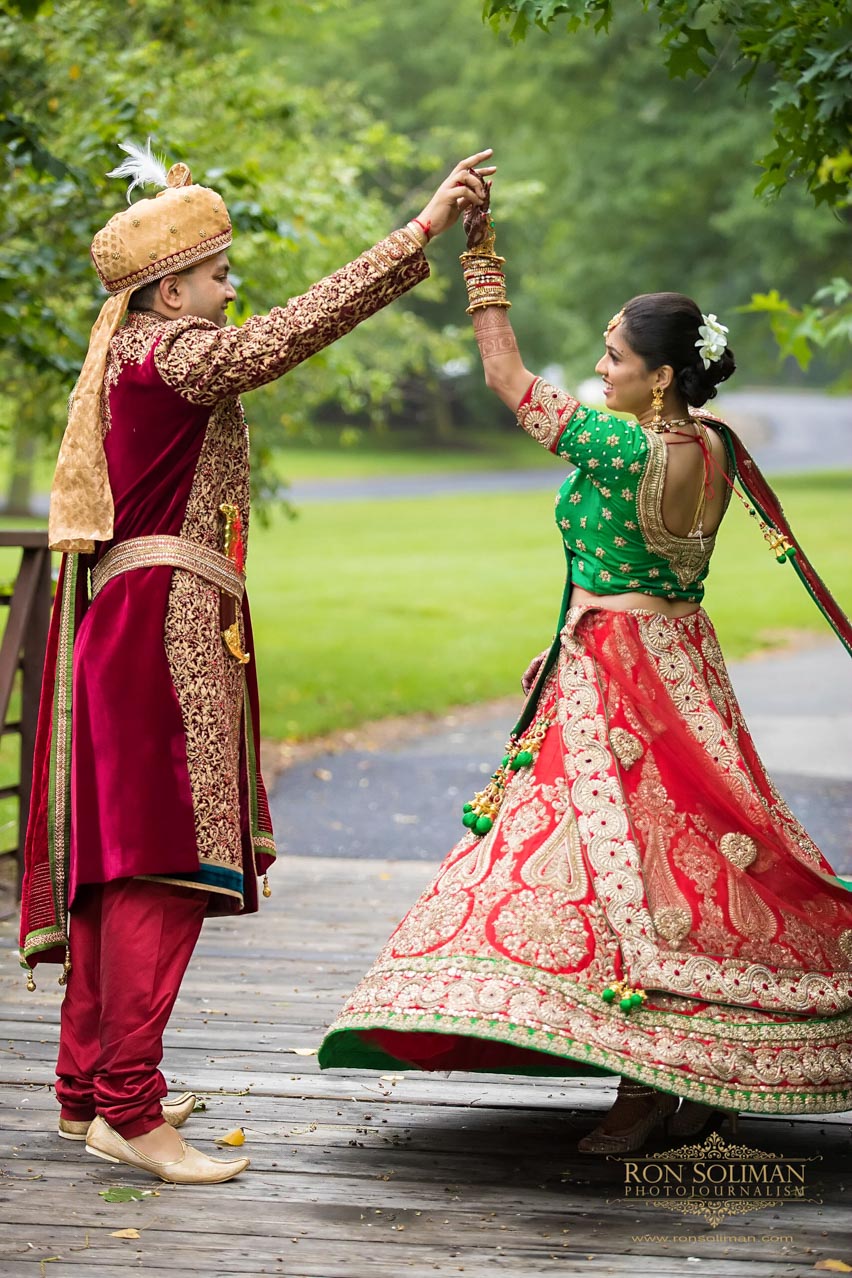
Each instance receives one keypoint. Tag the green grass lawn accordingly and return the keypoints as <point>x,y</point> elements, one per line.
<point>501,450</point>
<point>369,609</point>
<point>363,610</point>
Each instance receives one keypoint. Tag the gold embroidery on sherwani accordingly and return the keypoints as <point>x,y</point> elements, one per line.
<point>547,412</point>
<point>740,850</point>
<point>210,686</point>
<point>208,364</point>
<point>130,345</point>
<point>844,942</point>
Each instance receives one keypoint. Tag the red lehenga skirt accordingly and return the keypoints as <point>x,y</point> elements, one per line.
<point>644,845</point>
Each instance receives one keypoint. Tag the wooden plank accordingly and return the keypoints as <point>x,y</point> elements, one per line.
<point>401,1174</point>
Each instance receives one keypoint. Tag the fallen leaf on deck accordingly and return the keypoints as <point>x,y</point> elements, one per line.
<point>834,1266</point>
<point>392,1078</point>
<point>236,1137</point>
<point>303,1051</point>
<point>322,774</point>
<point>200,1107</point>
<point>126,1233</point>
<point>126,1194</point>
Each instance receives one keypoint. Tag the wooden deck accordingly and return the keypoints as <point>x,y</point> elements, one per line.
<point>357,1175</point>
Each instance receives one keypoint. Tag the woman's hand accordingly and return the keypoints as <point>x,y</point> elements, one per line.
<point>476,220</point>
<point>531,673</point>
<point>463,188</point>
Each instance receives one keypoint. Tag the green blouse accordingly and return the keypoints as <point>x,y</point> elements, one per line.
<point>609,510</point>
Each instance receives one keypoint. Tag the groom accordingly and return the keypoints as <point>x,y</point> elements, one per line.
<point>148,810</point>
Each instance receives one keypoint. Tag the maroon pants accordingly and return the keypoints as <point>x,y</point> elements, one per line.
<point>131,942</point>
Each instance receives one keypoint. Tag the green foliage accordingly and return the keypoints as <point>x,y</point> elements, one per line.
<point>825,323</point>
<point>310,180</point>
<point>611,180</point>
<point>806,43</point>
<point>325,123</point>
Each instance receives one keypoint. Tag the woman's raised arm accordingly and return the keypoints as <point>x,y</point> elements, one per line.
<point>505,372</point>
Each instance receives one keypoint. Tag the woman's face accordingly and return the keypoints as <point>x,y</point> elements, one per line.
<point>627,384</point>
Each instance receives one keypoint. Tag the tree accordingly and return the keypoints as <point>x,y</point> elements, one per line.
<point>78,78</point>
<point>613,179</point>
<point>806,46</point>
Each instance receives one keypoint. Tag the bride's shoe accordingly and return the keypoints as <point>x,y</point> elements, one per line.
<point>627,1139</point>
<point>696,1119</point>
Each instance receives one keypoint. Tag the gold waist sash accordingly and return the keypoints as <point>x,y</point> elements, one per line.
<point>171,552</point>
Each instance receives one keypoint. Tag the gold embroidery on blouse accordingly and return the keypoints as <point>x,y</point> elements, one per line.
<point>687,556</point>
<point>547,413</point>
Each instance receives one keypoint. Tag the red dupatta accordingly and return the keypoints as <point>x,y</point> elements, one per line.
<point>776,528</point>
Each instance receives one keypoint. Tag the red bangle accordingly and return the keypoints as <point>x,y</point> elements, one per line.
<point>427,229</point>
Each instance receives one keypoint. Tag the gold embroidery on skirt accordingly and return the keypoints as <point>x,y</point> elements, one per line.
<point>627,748</point>
<point>750,915</point>
<point>740,850</point>
<point>672,924</point>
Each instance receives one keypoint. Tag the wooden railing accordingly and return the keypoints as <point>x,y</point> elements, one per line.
<point>22,648</point>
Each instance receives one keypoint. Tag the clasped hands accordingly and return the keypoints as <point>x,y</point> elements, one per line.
<point>463,192</point>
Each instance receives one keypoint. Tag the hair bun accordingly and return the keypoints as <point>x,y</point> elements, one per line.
<point>697,384</point>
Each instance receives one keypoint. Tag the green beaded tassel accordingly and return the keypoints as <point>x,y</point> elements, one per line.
<point>628,996</point>
<point>478,815</point>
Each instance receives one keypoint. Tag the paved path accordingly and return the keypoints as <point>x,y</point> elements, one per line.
<point>403,800</point>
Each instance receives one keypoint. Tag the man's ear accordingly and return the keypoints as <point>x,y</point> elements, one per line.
<point>171,294</point>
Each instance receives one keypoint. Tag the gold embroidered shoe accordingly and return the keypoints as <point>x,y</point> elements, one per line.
<point>630,1136</point>
<point>175,1112</point>
<point>191,1168</point>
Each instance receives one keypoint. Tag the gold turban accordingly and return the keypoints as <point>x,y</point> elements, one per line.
<point>180,226</point>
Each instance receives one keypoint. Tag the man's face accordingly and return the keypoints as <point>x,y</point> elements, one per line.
<point>206,290</point>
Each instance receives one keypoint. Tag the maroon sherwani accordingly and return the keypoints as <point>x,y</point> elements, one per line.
<point>146,763</point>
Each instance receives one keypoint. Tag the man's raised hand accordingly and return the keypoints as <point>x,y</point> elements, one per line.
<point>463,188</point>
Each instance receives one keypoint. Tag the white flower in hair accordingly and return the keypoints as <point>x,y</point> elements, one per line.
<point>143,166</point>
<point>713,340</point>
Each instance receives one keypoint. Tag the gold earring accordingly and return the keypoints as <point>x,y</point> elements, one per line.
<point>657,422</point>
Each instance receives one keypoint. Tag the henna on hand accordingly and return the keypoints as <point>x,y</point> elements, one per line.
<point>493,332</point>
<point>476,219</point>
